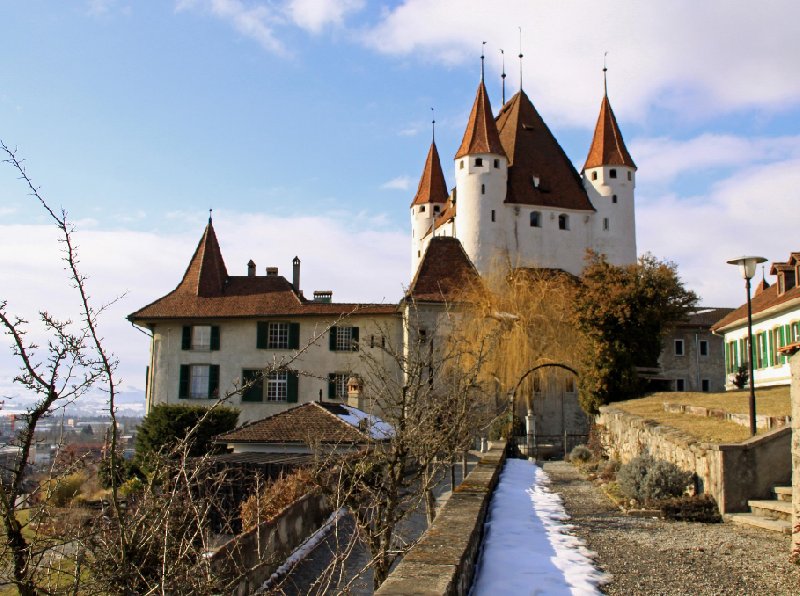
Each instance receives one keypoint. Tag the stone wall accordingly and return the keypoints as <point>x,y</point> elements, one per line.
<point>732,473</point>
<point>443,561</point>
<point>255,555</point>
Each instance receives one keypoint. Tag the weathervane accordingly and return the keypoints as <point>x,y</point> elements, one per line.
<point>483,43</point>
<point>605,70</point>
<point>503,75</point>
<point>210,211</point>
<point>433,125</point>
<point>520,58</point>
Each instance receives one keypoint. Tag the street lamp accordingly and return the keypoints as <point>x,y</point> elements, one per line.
<point>747,268</point>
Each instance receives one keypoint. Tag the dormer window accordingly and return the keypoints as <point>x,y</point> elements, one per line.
<point>478,162</point>
<point>612,173</point>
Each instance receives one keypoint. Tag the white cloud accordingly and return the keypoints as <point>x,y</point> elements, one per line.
<point>144,266</point>
<point>257,22</point>
<point>398,183</point>
<point>314,15</point>
<point>751,212</point>
<point>663,159</point>
<point>694,58</point>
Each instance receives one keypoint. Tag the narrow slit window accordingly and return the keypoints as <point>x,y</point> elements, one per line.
<point>605,224</point>
<point>493,215</point>
<point>613,198</point>
<point>483,189</point>
<point>594,175</point>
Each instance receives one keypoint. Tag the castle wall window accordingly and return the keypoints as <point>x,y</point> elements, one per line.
<point>422,208</point>
<point>478,162</point>
<point>200,337</point>
<point>337,385</point>
<point>705,385</point>
<point>497,163</point>
<point>563,222</point>
<point>612,173</point>
<point>492,214</point>
<point>198,381</point>
<point>703,347</point>
<point>343,339</point>
<point>483,189</point>
<point>536,219</point>
<point>461,165</point>
<point>613,198</point>
<point>594,175</point>
<point>436,208</point>
<point>630,176</point>
<point>277,335</point>
<point>679,347</point>
<point>605,224</point>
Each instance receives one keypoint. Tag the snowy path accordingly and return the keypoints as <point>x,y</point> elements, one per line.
<point>525,547</point>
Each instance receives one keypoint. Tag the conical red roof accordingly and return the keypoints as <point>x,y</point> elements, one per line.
<point>608,148</point>
<point>432,186</point>
<point>206,274</point>
<point>481,134</point>
<point>539,172</point>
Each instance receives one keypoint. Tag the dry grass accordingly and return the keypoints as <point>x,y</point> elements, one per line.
<point>773,402</point>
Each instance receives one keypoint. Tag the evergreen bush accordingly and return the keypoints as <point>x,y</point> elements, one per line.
<point>580,454</point>
<point>647,480</point>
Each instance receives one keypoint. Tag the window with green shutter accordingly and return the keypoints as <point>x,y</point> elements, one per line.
<point>343,339</point>
<point>253,383</point>
<point>261,335</point>
<point>294,336</point>
<point>183,385</point>
<point>291,387</point>
<point>213,381</point>
<point>214,337</point>
<point>186,338</point>
<point>337,385</point>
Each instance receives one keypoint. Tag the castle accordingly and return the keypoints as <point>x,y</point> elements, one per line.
<point>518,201</point>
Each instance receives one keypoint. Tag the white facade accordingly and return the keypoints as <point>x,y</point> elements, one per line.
<point>611,190</point>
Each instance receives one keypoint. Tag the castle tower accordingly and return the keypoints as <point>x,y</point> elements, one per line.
<point>609,176</point>
<point>481,176</point>
<point>428,204</point>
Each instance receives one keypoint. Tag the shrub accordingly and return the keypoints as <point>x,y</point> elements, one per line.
<point>580,454</point>
<point>608,470</point>
<point>277,495</point>
<point>61,491</point>
<point>499,428</point>
<point>646,480</point>
<point>694,508</point>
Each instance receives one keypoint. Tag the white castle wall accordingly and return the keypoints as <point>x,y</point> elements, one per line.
<point>618,241</point>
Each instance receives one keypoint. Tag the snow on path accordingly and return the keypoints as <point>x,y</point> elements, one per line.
<point>526,548</point>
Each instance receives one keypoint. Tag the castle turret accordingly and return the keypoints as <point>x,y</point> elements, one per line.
<point>481,174</point>
<point>428,204</point>
<point>610,178</point>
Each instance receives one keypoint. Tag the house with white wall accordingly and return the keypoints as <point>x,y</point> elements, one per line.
<point>776,323</point>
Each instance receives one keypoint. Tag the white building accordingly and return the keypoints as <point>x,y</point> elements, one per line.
<point>776,323</point>
<point>519,202</point>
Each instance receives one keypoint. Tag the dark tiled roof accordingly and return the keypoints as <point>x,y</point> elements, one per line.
<point>532,150</point>
<point>608,148</point>
<point>206,291</point>
<point>760,302</point>
<point>432,186</point>
<point>310,422</point>
<point>481,133</point>
<point>444,272</point>
<point>704,316</point>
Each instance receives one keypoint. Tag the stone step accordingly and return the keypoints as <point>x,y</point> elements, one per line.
<point>780,510</point>
<point>758,521</point>
<point>783,493</point>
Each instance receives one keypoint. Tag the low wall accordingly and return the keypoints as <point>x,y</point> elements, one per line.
<point>443,561</point>
<point>762,420</point>
<point>732,473</point>
<point>255,555</point>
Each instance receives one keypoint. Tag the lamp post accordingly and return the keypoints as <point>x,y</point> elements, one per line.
<point>747,267</point>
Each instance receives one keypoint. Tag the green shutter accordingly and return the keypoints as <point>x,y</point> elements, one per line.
<point>261,334</point>
<point>213,381</point>
<point>254,392</point>
<point>331,385</point>
<point>186,339</point>
<point>727,357</point>
<point>735,347</point>
<point>291,387</point>
<point>183,386</point>
<point>214,337</point>
<point>354,338</point>
<point>781,343</point>
<point>332,338</point>
<point>294,336</point>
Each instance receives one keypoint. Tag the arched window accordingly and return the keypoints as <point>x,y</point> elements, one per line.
<point>536,219</point>
<point>563,222</point>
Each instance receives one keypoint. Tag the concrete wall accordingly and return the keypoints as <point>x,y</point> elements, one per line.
<point>443,561</point>
<point>254,556</point>
<point>732,473</point>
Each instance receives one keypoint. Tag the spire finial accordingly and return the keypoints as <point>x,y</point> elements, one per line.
<point>605,78</point>
<point>210,211</point>
<point>503,75</point>
<point>520,58</point>
<point>433,125</point>
<point>483,44</point>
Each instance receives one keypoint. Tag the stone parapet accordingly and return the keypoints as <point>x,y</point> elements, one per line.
<point>443,561</point>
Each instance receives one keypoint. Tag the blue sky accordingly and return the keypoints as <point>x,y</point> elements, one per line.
<point>305,124</point>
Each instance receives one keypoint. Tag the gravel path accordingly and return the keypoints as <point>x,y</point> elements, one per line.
<point>652,556</point>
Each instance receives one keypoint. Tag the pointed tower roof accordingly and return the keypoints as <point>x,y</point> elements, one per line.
<point>432,186</point>
<point>481,134</point>
<point>539,172</point>
<point>206,274</point>
<point>608,148</point>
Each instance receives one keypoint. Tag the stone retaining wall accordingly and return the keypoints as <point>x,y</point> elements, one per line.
<point>762,420</point>
<point>443,561</point>
<point>255,555</point>
<point>732,473</point>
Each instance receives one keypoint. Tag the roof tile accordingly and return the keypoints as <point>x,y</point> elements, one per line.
<point>432,186</point>
<point>481,133</point>
<point>608,148</point>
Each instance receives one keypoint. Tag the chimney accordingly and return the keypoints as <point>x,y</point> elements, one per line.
<point>355,392</point>
<point>323,296</point>
<point>296,274</point>
<point>251,268</point>
<point>272,271</point>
